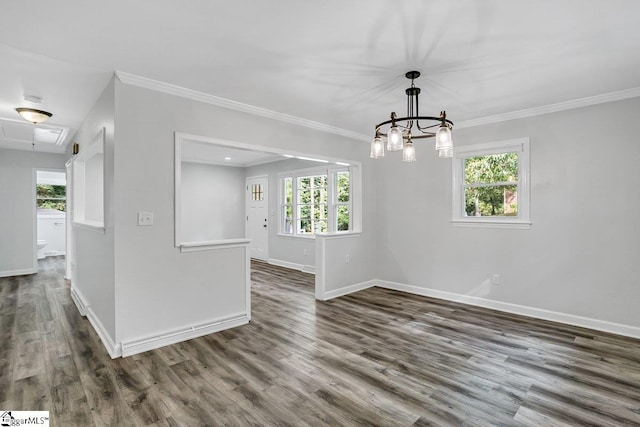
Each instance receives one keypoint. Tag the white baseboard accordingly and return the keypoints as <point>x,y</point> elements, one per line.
<point>538,313</point>
<point>85,310</point>
<point>18,272</point>
<point>292,265</point>
<point>152,342</point>
<point>309,269</point>
<point>112,349</point>
<point>54,253</point>
<point>174,336</point>
<point>335,293</point>
<point>78,300</point>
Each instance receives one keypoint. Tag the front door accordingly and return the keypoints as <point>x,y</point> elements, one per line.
<point>257,215</point>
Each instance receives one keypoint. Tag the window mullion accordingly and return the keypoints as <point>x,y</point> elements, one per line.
<point>331,202</point>
<point>294,202</point>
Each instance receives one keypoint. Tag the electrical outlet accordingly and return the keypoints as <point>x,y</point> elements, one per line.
<point>145,218</point>
<point>347,259</point>
<point>305,252</point>
<point>495,279</point>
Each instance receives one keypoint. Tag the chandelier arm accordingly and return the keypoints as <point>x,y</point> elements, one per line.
<point>428,127</point>
<point>419,136</point>
<point>406,119</point>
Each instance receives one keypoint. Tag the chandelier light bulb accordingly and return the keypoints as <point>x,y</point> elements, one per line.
<point>377,148</point>
<point>394,139</point>
<point>443,138</point>
<point>445,153</point>
<point>409,152</point>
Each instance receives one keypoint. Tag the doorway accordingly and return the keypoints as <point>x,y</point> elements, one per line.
<point>51,213</point>
<point>257,217</point>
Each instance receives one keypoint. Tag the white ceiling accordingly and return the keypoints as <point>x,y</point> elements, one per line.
<point>341,63</point>
<point>204,152</point>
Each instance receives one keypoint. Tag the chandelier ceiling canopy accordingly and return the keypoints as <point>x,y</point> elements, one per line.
<point>400,132</point>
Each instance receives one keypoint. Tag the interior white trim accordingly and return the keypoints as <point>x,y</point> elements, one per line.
<point>522,220</point>
<point>213,244</point>
<point>171,337</point>
<point>112,349</point>
<point>194,95</point>
<point>522,310</point>
<point>85,310</point>
<point>538,313</point>
<point>292,265</point>
<point>551,108</point>
<point>335,293</point>
<point>159,86</point>
<point>78,301</point>
<point>485,223</point>
<point>24,272</point>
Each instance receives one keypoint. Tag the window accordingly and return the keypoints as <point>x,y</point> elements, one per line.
<point>491,184</point>
<point>343,200</point>
<point>257,194</point>
<point>51,197</point>
<point>316,201</point>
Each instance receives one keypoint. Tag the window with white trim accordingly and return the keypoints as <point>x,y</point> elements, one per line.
<point>316,200</point>
<point>491,184</point>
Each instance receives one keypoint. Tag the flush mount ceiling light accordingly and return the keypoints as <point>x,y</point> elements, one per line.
<point>400,132</point>
<point>34,116</point>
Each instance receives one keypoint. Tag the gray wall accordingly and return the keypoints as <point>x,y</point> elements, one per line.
<point>17,207</point>
<point>93,268</point>
<point>213,202</point>
<point>580,256</point>
<point>158,288</point>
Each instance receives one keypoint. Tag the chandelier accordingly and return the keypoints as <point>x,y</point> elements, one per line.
<point>401,131</point>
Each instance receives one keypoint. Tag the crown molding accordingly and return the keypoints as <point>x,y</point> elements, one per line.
<point>133,80</point>
<point>552,108</point>
<point>194,95</point>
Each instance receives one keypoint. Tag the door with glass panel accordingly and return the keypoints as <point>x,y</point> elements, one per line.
<point>257,217</point>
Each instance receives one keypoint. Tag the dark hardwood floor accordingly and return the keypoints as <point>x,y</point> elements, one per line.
<point>376,357</point>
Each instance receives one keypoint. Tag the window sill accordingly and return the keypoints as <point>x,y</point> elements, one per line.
<point>297,236</point>
<point>213,244</point>
<point>488,223</point>
<point>313,236</point>
<point>340,235</point>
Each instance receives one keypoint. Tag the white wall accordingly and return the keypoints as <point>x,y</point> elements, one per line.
<point>94,188</point>
<point>212,202</point>
<point>344,265</point>
<point>93,267</point>
<point>51,228</point>
<point>17,210</point>
<point>158,288</point>
<point>580,256</point>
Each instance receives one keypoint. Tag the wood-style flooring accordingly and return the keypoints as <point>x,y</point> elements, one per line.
<point>376,357</point>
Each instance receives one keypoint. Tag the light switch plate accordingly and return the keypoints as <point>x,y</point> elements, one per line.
<point>145,218</point>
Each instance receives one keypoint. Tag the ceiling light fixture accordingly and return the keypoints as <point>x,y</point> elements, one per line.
<point>34,116</point>
<point>401,131</point>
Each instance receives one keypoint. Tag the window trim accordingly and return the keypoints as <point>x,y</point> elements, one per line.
<point>522,220</point>
<point>332,220</point>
